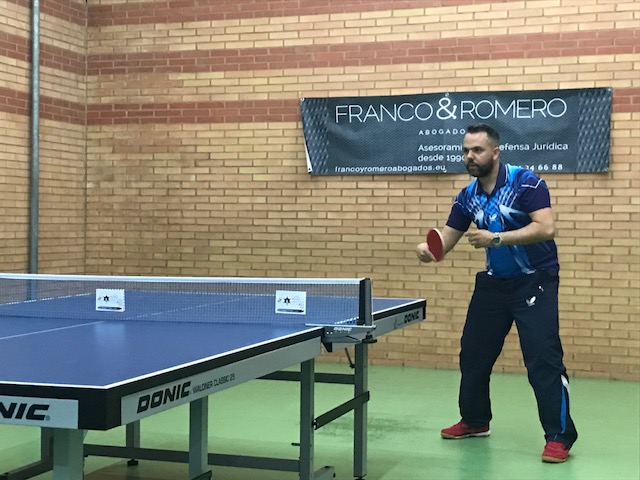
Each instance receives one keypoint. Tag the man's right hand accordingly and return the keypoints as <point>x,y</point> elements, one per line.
<point>424,254</point>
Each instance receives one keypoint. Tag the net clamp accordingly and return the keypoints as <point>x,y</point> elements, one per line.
<point>344,333</point>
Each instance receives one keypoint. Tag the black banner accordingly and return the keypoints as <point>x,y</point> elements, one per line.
<point>560,131</point>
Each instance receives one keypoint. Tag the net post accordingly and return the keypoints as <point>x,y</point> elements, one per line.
<point>365,315</point>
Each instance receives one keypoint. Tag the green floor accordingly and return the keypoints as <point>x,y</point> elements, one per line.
<point>407,410</point>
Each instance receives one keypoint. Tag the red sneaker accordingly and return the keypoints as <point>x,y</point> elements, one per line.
<point>555,452</point>
<point>462,430</point>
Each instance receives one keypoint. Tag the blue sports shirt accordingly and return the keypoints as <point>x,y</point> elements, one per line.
<point>517,193</point>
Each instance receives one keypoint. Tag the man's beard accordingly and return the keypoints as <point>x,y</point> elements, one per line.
<point>479,171</point>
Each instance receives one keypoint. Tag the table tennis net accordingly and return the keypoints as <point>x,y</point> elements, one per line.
<point>186,299</point>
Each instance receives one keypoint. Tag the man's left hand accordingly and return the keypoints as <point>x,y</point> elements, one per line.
<point>479,238</point>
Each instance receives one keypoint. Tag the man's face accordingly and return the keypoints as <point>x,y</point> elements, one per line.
<point>480,154</point>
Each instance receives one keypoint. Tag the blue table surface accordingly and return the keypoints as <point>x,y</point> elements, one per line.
<point>90,352</point>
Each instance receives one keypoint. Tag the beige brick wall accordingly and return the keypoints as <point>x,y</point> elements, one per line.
<point>62,172</point>
<point>195,160</point>
<point>14,224</point>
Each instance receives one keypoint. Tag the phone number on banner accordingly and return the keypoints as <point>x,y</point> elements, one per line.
<point>545,167</point>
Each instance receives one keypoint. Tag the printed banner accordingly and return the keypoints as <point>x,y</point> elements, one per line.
<point>545,130</point>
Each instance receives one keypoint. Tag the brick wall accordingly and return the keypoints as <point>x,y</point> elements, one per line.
<point>195,160</point>
<point>62,135</point>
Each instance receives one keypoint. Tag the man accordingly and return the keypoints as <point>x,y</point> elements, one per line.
<point>511,208</point>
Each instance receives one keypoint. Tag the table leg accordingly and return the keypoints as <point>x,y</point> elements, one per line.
<point>68,455</point>
<point>307,391</point>
<point>361,386</point>
<point>132,440</point>
<point>198,439</point>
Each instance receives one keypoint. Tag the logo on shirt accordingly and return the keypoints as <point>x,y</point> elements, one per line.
<point>531,301</point>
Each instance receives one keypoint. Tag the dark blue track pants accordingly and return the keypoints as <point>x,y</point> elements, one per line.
<point>532,302</point>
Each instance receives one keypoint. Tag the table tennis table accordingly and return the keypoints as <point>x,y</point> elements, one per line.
<point>86,353</point>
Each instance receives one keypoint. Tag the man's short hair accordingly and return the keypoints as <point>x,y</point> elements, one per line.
<point>491,132</point>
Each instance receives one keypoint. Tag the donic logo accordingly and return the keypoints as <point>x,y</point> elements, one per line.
<point>163,396</point>
<point>24,411</point>
<point>411,317</point>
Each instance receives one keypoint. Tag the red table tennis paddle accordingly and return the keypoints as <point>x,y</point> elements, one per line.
<point>435,243</point>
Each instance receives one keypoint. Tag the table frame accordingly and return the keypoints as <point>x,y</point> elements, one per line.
<point>67,458</point>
